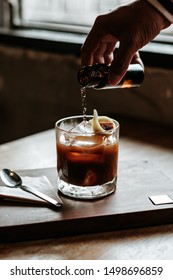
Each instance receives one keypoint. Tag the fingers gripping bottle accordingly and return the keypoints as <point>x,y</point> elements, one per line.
<point>96,76</point>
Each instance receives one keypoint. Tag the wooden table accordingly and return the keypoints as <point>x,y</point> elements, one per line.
<point>139,141</point>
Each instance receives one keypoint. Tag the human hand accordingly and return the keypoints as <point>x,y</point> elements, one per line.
<point>132,26</point>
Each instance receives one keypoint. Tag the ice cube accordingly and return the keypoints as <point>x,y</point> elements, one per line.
<point>83,128</point>
<point>90,178</point>
<point>88,141</point>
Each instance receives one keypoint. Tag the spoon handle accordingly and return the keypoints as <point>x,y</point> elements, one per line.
<point>43,196</point>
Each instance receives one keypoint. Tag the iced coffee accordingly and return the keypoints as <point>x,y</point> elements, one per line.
<point>87,156</point>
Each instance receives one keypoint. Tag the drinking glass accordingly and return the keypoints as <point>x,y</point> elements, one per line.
<point>86,161</point>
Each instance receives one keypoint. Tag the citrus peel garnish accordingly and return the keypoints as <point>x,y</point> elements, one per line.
<point>102,124</point>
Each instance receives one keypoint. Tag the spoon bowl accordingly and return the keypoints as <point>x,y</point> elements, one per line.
<point>10,178</point>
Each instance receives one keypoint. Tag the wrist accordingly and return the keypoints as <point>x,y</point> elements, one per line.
<point>164,7</point>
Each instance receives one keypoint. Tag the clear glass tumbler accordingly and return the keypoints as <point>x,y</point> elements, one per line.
<point>86,161</point>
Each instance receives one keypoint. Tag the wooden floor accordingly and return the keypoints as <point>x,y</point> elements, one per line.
<point>139,141</point>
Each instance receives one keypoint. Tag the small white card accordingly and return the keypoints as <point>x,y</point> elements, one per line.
<point>160,199</point>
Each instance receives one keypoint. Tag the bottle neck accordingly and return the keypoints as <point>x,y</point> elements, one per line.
<point>92,76</point>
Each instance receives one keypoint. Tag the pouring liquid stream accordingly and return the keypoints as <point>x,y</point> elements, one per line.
<point>84,104</point>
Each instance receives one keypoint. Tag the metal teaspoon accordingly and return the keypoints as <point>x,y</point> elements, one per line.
<point>12,179</point>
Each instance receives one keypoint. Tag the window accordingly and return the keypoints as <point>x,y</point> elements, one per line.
<point>64,15</point>
<point>68,15</point>
<point>33,23</point>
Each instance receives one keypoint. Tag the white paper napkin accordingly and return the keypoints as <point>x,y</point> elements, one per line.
<point>41,184</point>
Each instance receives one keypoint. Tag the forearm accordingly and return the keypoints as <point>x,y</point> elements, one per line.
<point>165,7</point>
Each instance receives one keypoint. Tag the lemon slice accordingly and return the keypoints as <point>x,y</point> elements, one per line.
<point>102,124</point>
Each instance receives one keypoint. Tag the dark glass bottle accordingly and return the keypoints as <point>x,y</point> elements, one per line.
<point>96,76</point>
